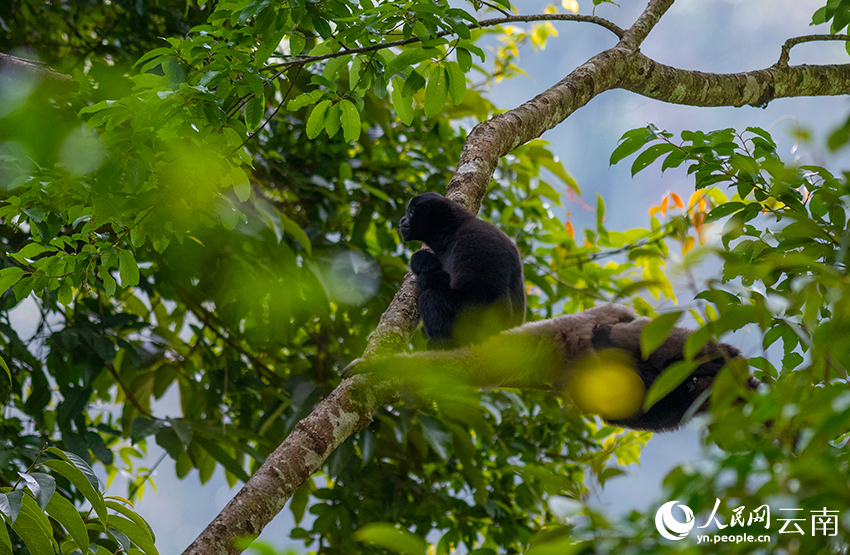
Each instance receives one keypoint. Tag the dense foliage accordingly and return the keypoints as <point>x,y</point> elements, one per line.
<point>213,209</point>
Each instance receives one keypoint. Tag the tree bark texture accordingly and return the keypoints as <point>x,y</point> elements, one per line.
<point>349,408</point>
<point>13,68</point>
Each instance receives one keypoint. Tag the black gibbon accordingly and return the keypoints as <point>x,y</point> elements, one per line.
<point>471,286</point>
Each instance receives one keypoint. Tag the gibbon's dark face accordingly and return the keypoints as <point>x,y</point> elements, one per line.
<point>429,215</point>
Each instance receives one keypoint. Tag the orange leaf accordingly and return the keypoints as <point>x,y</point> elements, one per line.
<point>677,200</point>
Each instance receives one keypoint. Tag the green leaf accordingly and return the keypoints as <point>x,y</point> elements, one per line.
<point>81,475</point>
<point>600,212</point>
<point>296,44</point>
<point>436,91</point>
<point>724,210</point>
<point>333,115</point>
<point>5,541</point>
<point>630,142</point>
<point>128,269</point>
<point>103,104</point>
<point>6,368</point>
<point>437,437</point>
<point>11,503</point>
<point>413,83</point>
<point>403,105</point>
<point>65,294</point>
<point>391,538</point>
<point>243,191</point>
<point>457,83</point>
<point>34,528</point>
<point>109,283</point>
<point>9,277</point>
<point>41,485</point>
<point>139,535</point>
<point>649,156</point>
<point>223,457</point>
<point>322,27</point>
<point>305,99</point>
<point>152,54</point>
<point>254,110</point>
<point>354,73</point>
<point>333,66</point>
<point>65,513</point>
<point>316,121</point>
<point>350,121</point>
<point>669,379</point>
<point>656,332</point>
<point>299,501</point>
<point>696,341</point>
<point>296,232</point>
<point>409,58</point>
<point>464,59</point>
<point>23,288</point>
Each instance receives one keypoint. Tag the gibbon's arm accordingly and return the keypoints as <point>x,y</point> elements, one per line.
<point>552,353</point>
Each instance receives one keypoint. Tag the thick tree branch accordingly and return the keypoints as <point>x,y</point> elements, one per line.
<point>349,407</point>
<point>637,33</point>
<point>11,66</point>
<point>754,88</point>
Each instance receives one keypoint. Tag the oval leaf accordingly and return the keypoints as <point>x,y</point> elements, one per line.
<point>350,121</point>
<point>316,121</point>
<point>403,105</point>
<point>65,513</point>
<point>436,91</point>
<point>657,331</point>
<point>457,83</point>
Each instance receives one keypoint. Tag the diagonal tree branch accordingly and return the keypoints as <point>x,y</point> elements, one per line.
<point>349,408</point>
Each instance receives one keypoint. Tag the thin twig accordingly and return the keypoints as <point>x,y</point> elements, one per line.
<point>273,114</point>
<point>128,393</point>
<point>790,43</point>
<point>481,24</point>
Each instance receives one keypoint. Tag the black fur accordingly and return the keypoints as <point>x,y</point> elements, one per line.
<point>474,273</point>
<point>669,412</point>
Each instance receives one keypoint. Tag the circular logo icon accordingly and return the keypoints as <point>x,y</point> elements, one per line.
<point>667,524</point>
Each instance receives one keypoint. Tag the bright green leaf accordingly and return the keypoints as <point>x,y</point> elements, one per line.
<point>66,514</point>
<point>436,91</point>
<point>657,331</point>
<point>34,528</point>
<point>316,121</point>
<point>457,83</point>
<point>401,104</point>
<point>128,269</point>
<point>350,121</point>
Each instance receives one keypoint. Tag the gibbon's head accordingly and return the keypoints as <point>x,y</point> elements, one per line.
<point>430,217</point>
